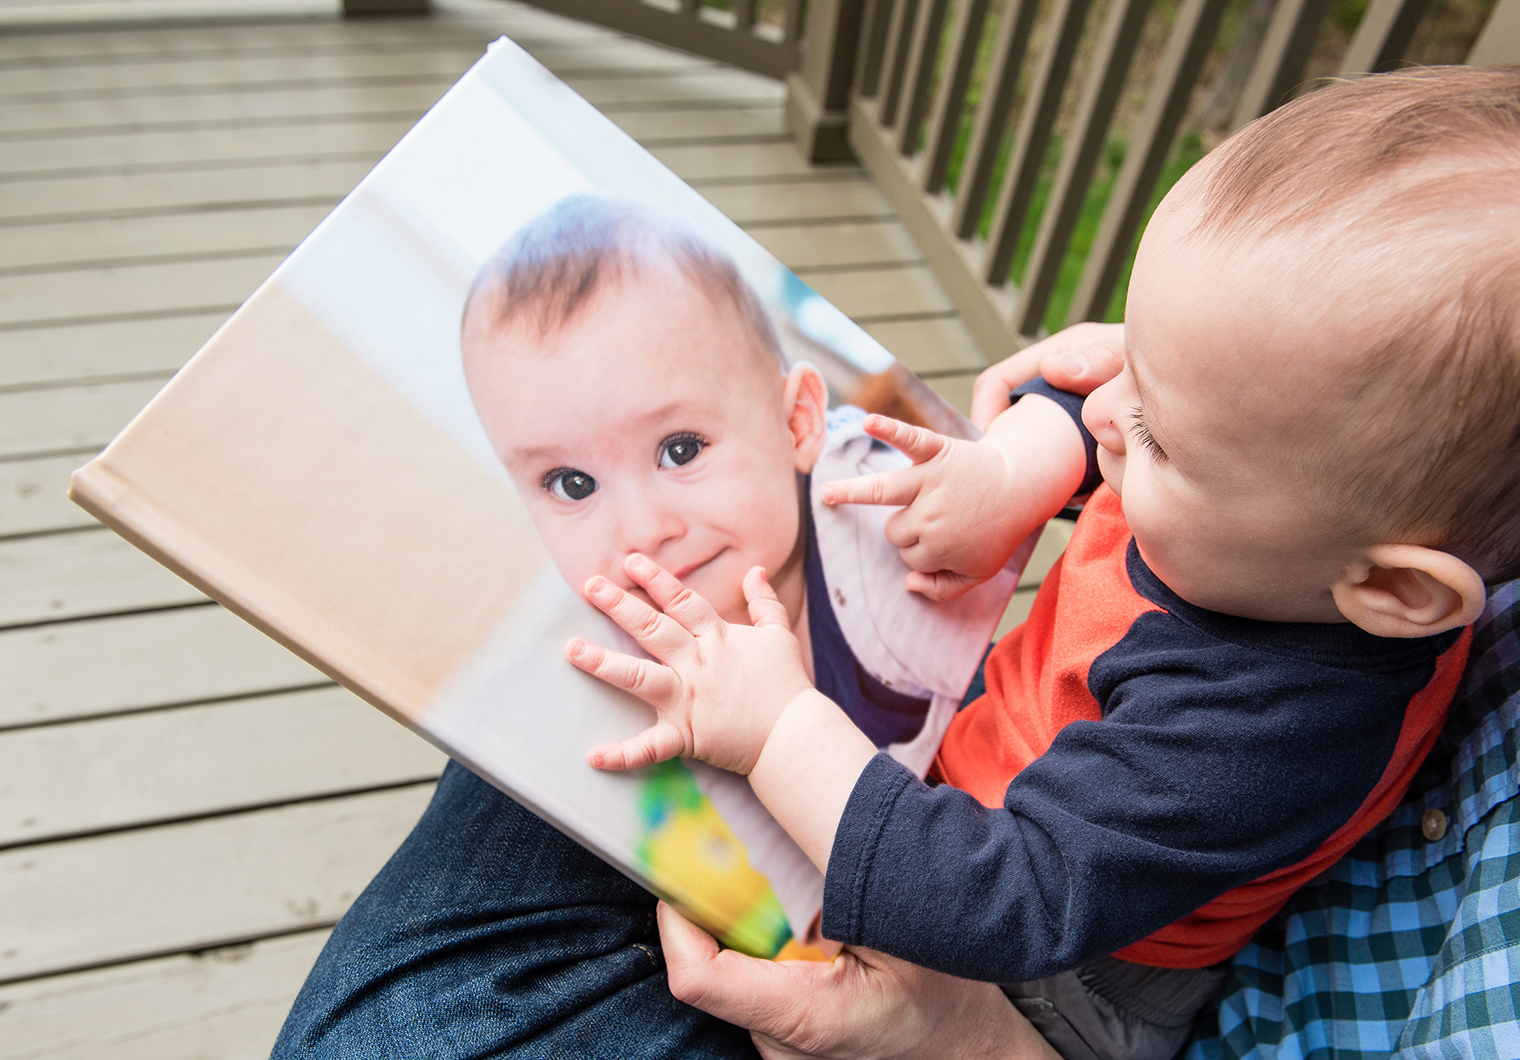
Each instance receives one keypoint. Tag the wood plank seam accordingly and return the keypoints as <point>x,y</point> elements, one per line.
<point>214,815</point>
<point>116,318</point>
<point>93,380</point>
<point>155,708</point>
<point>39,623</point>
<point>136,260</point>
<point>170,91</point>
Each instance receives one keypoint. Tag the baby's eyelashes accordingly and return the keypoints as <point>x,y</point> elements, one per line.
<point>568,484</point>
<point>1146,439</point>
<point>681,449</point>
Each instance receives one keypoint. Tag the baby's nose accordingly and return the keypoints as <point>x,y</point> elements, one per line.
<point>648,525</point>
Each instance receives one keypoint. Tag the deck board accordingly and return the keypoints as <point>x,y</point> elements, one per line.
<point>81,575</point>
<point>225,1003</point>
<point>190,886</point>
<point>175,856</point>
<point>78,417</point>
<point>124,772</point>
<point>147,661</point>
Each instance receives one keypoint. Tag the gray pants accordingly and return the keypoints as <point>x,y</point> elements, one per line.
<point>1117,1010</point>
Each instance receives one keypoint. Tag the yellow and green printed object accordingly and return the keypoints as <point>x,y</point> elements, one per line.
<point>690,853</point>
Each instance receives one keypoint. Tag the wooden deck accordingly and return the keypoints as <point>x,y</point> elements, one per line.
<point>185,809</point>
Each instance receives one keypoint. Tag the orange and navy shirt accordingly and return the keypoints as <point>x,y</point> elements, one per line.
<point>1143,778</point>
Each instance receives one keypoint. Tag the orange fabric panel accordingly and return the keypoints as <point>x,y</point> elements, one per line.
<point>1036,683</point>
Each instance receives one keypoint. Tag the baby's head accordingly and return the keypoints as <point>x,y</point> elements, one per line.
<point>1320,417</point>
<point>634,388</point>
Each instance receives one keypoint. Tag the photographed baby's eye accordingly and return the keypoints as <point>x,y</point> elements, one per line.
<point>680,449</point>
<point>568,484</point>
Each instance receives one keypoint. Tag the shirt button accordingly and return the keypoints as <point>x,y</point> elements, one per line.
<point>1433,824</point>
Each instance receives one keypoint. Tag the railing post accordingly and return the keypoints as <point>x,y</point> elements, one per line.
<point>362,8</point>
<point>818,95</point>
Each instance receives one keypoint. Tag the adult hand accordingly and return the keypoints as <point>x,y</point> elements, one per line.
<point>862,1005</point>
<point>1080,358</point>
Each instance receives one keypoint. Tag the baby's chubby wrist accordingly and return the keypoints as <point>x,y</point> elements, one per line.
<point>1043,455</point>
<point>807,769</point>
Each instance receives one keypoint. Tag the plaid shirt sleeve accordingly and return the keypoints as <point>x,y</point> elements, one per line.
<point>1410,946</point>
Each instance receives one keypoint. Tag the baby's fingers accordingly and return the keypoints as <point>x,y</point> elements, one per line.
<point>889,487</point>
<point>654,744</point>
<point>655,684</point>
<point>692,611</point>
<point>658,634</point>
<point>941,585</point>
<point>916,443</point>
<point>765,609</point>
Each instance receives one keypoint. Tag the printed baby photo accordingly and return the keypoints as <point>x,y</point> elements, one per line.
<point>520,351</point>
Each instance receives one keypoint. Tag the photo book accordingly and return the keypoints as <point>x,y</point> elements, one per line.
<point>519,350</point>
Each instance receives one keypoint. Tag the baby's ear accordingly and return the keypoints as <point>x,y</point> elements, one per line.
<point>807,403</point>
<point>1409,591</point>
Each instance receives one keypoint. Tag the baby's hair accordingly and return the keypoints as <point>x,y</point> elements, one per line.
<point>1408,183</point>
<point>550,269</point>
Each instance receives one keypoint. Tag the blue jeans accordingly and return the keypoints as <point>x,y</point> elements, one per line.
<point>490,934</point>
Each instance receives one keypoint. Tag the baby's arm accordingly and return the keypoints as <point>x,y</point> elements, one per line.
<point>970,504</point>
<point>735,696</point>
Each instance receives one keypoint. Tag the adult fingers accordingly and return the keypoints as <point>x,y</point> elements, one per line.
<point>655,744</point>
<point>755,994</point>
<point>917,443</point>
<point>655,684</point>
<point>765,608</point>
<point>692,611</point>
<point>989,394</point>
<point>1083,366</point>
<point>889,487</point>
<point>1079,358</point>
<point>659,635</point>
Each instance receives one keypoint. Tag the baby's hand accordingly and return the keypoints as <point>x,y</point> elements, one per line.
<point>721,686</point>
<point>954,531</point>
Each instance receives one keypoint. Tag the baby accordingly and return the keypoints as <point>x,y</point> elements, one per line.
<point>1310,463</point>
<point>635,390</point>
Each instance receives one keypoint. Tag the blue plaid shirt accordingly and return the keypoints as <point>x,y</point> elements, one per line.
<point>1409,946</point>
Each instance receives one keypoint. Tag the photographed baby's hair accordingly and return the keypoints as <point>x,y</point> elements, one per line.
<point>552,267</point>
<point>1405,189</point>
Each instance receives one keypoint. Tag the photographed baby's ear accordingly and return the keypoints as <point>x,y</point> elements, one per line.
<point>807,404</point>
<point>1409,591</point>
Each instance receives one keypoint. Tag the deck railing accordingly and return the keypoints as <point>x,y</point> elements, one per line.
<point>758,35</point>
<point>919,90</point>
<point>910,113</point>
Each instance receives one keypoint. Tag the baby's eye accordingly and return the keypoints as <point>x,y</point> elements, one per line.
<point>568,484</point>
<point>680,449</point>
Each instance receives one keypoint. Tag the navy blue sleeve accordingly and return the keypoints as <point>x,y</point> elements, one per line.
<point>1072,403</point>
<point>1208,770</point>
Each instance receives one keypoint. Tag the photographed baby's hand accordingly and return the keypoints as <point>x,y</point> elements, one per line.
<point>954,531</point>
<point>717,688</point>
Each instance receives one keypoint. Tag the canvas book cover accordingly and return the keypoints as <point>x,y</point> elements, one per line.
<point>520,349</point>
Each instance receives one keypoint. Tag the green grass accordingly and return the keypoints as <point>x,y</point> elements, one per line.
<point>1188,150</point>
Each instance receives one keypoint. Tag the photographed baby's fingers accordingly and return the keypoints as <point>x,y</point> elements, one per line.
<point>654,744</point>
<point>659,635</point>
<point>940,585</point>
<point>692,611</point>
<point>889,487</point>
<point>655,684</point>
<point>916,443</point>
<point>765,609</point>
<point>904,530</point>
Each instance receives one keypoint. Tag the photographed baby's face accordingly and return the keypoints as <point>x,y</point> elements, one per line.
<point>648,422</point>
